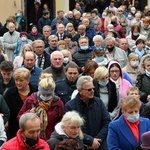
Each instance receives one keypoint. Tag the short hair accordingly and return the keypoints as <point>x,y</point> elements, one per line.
<point>6,66</point>
<point>82,80</point>
<point>71,65</point>
<point>138,41</point>
<point>68,36</point>
<point>135,27</point>
<point>83,38</point>
<point>68,144</point>
<point>133,55</point>
<point>133,88</point>
<point>98,37</point>
<point>37,41</point>
<point>100,72</point>
<point>22,73</point>
<point>90,64</point>
<point>52,36</point>
<point>56,52</point>
<point>46,81</point>
<point>110,39</point>
<point>45,12</point>
<point>60,11</point>
<point>129,102</point>
<point>47,26</point>
<point>24,118</point>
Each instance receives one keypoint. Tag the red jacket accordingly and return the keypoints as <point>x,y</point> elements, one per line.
<point>17,143</point>
<point>119,29</point>
<point>55,112</point>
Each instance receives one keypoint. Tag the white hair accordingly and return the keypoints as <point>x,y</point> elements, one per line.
<point>99,37</point>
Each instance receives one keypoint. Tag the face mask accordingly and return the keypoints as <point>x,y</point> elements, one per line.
<point>134,64</point>
<point>23,38</point>
<point>31,142</point>
<point>135,34</point>
<point>18,14</point>
<point>84,47</point>
<point>100,59</point>
<point>110,49</point>
<point>103,84</point>
<point>133,118</point>
<point>103,16</point>
<point>113,22</point>
<point>147,73</point>
<point>66,60</point>
<point>46,98</point>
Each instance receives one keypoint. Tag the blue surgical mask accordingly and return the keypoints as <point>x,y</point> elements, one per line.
<point>100,59</point>
<point>103,84</point>
<point>84,47</point>
<point>46,98</point>
<point>147,73</point>
<point>133,118</point>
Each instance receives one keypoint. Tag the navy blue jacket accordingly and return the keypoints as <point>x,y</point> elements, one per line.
<point>96,118</point>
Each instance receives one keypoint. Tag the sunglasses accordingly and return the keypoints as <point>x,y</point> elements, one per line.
<point>89,90</point>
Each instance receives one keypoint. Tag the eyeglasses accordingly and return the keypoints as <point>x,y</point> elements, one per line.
<point>89,90</point>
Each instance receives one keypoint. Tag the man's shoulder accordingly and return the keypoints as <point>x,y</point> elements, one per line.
<point>47,70</point>
<point>11,144</point>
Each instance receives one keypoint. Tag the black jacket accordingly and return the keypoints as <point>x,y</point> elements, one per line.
<point>15,103</point>
<point>112,94</point>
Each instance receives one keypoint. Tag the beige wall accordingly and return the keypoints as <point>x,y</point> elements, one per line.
<point>8,7</point>
<point>62,5</point>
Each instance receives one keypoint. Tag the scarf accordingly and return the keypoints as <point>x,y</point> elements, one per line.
<point>41,111</point>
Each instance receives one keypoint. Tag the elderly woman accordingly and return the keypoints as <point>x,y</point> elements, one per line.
<point>105,89</point>
<point>116,75</point>
<point>16,96</point>
<point>18,61</point>
<point>45,104</point>
<point>125,132</point>
<point>143,78</point>
<point>132,67</point>
<point>69,127</point>
<point>98,42</point>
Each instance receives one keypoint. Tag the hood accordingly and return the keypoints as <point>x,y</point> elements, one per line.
<point>114,62</point>
<point>59,130</point>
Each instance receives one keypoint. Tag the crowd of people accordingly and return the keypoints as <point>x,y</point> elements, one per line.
<point>75,82</point>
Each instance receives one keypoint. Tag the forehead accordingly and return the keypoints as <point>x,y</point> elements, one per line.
<point>29,56</point>
<point>83,40</point>
<point>88,84</point>
<point>46,29</point>
<point>114,68</point>
<point>32,124</point>
<point>39,43</point>
<point>56,56</point>
<point>72,69</point>
<point>109,42</point>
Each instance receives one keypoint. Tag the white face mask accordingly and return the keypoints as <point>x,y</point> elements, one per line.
<point>134,63</point>
<point>46,98</point>
<point>23,38</point>
<point>133,118</point>
<point>135,34</point>
<point>66,60</point>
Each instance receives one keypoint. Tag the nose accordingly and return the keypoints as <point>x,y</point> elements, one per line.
<point>35,135</point>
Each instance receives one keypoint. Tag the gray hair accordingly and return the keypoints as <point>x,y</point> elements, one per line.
<point>52,36</point>
<point>47,26</point>
<point>25,117</point>
<point>37,41</point>
<point>110,39</point>
<point>56,52</point>
<point>82,80</point>
<point>99,37</point>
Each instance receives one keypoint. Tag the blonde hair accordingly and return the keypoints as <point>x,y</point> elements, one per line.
<point>133,55</point>
<point>26,45</point>
<point>62,42</point>
<point>46,81</point>
<point>101,72</point>
<point>22,73</point>
<point>133,88</point>
<point>68,25</point>
<point>129,102</point>
<point>72,118</point>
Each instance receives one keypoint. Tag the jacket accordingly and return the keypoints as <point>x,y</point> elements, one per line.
<point>64,89</point>
<point>17,143</point>
<point>54,113</point>
<point>10,43</point>
<point>143,84</point>
<point>82,56</point>
<point>34,37</point>
<point>96,117</point>
<point>4,109</point>
<point>59,135</point>
<point>58,74</point>
<point>120,136</point>
<point>15,103</point>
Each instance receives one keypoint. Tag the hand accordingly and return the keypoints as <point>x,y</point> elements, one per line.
<point>96,143</point>
<point>32,110</point>
<point>148,98</point>
<point>2,114</point>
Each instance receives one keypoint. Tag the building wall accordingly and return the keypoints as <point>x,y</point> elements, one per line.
<point>8,8</point>
<point>62,5</point>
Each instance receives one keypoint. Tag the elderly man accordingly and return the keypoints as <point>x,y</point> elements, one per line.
<point>56,68</point>
<point>46,34</point>
<point>84,53</point>
<point>123,44</point>
<point>92,109</point>
<point>10,39</point>
<point>42,58</point>
<point>28,136</point>
<point>52,40</point>
<point>113,52</point>
<point>29,63</point>
<point>65,87</point>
